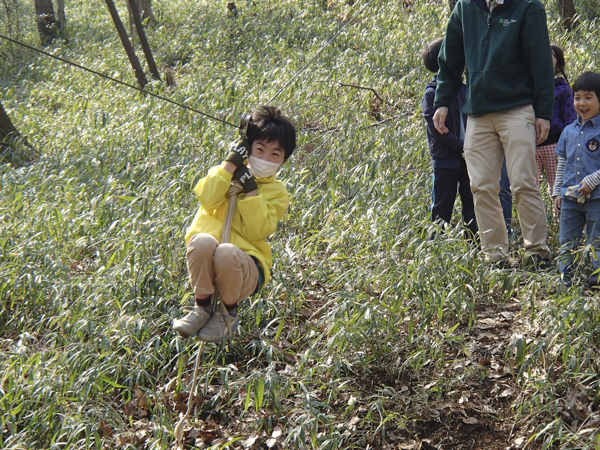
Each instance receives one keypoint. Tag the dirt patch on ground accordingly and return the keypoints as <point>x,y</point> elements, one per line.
<point>472,401</point>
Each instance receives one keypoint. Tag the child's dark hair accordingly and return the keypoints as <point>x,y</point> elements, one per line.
<point>588,81</point>
<point>560,60</point>
<point>268,124</point>
<point>429,55</point>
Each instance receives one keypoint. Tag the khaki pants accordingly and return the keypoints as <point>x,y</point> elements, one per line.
<point>488,139</point>
<point>223,267</point>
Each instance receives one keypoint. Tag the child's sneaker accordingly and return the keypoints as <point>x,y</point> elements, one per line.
<point>189,325</point>
<point>218,327</point>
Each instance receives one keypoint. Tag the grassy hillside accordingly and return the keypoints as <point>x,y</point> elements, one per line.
<point>370,335</point>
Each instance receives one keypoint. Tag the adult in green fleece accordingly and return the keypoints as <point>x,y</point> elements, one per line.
<point>505,47</point>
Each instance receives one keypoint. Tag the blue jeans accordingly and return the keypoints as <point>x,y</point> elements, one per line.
<point>573,216</point>
<point>506,198</point>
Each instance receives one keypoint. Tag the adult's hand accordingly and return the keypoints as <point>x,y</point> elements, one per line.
<point>439,119</point>
<point>542,127</point>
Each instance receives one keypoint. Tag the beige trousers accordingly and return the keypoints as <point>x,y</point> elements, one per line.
<point>223,267</point>
<point>488,139</point>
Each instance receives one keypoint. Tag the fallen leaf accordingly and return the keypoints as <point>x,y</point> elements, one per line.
<point>277,432</point>
<point>352,423</point>
<point>193,433</point>
<point>519,441</point>
<point>106,430</point>
<point>248,443</point>
<point>573,395</point>
<point>485,337</point>
<point>180,407</point>
<point>580,414</point>
<point>306,313</point>
<point>129,409</point>
<point>430,385</point>
<point>470,421</point>
<point>125,439</point>
<point>181,396</point>
<point>486,323</point>
<point>508,392</point>
<point>271,442</point>
<point>289,345</point>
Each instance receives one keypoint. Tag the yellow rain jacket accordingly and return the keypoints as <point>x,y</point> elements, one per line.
<point>254,218</point>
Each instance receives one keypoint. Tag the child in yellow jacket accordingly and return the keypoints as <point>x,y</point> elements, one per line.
<point>241,267</point>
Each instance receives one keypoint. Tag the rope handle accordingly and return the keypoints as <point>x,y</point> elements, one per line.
<point>234,189</point>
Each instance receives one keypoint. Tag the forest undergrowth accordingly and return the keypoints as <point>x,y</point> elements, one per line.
<point>371,335</point>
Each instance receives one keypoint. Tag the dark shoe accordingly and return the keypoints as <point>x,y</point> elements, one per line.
<point>536,262</point>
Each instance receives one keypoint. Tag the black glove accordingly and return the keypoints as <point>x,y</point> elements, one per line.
<point>240,152</point>
<point>246,179</point>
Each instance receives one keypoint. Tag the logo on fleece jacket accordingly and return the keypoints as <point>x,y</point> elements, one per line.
<point>507,22</point>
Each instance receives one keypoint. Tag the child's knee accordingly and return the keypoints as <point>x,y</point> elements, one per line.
<point>226,254</point>
<point>202,244</point>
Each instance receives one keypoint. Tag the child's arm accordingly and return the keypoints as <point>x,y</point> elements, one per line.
<point>590,183</point>
<point>558,181</point>
<point>567,112</point>
<point>260,214</point>
<point>212,189</point>
<point>450,139</point>
<point>561,152</point>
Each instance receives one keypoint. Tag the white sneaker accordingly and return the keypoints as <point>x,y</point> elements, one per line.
<point>218,327</point>
<point>190,324</point>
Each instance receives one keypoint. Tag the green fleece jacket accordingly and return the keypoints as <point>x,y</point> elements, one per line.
<point>507,56</point>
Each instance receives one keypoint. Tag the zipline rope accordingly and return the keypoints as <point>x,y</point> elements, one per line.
<point>317,54</point>
<point>234,189</point>
<point>181,105</point>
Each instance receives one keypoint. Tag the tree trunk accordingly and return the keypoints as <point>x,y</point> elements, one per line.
<point>61,20</point>
<point>146,7</point>
<point>566,9</point>
<point>46,21</point>
<point>14,148</point>
<point>8,132</point>
<point>8,18</point>
<point>142,35</point>
<point>135,62</point>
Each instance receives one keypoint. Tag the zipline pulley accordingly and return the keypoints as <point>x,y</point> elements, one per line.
<point>245,124</point>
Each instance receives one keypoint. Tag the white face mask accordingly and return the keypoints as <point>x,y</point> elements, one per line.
<point>261,168</point>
